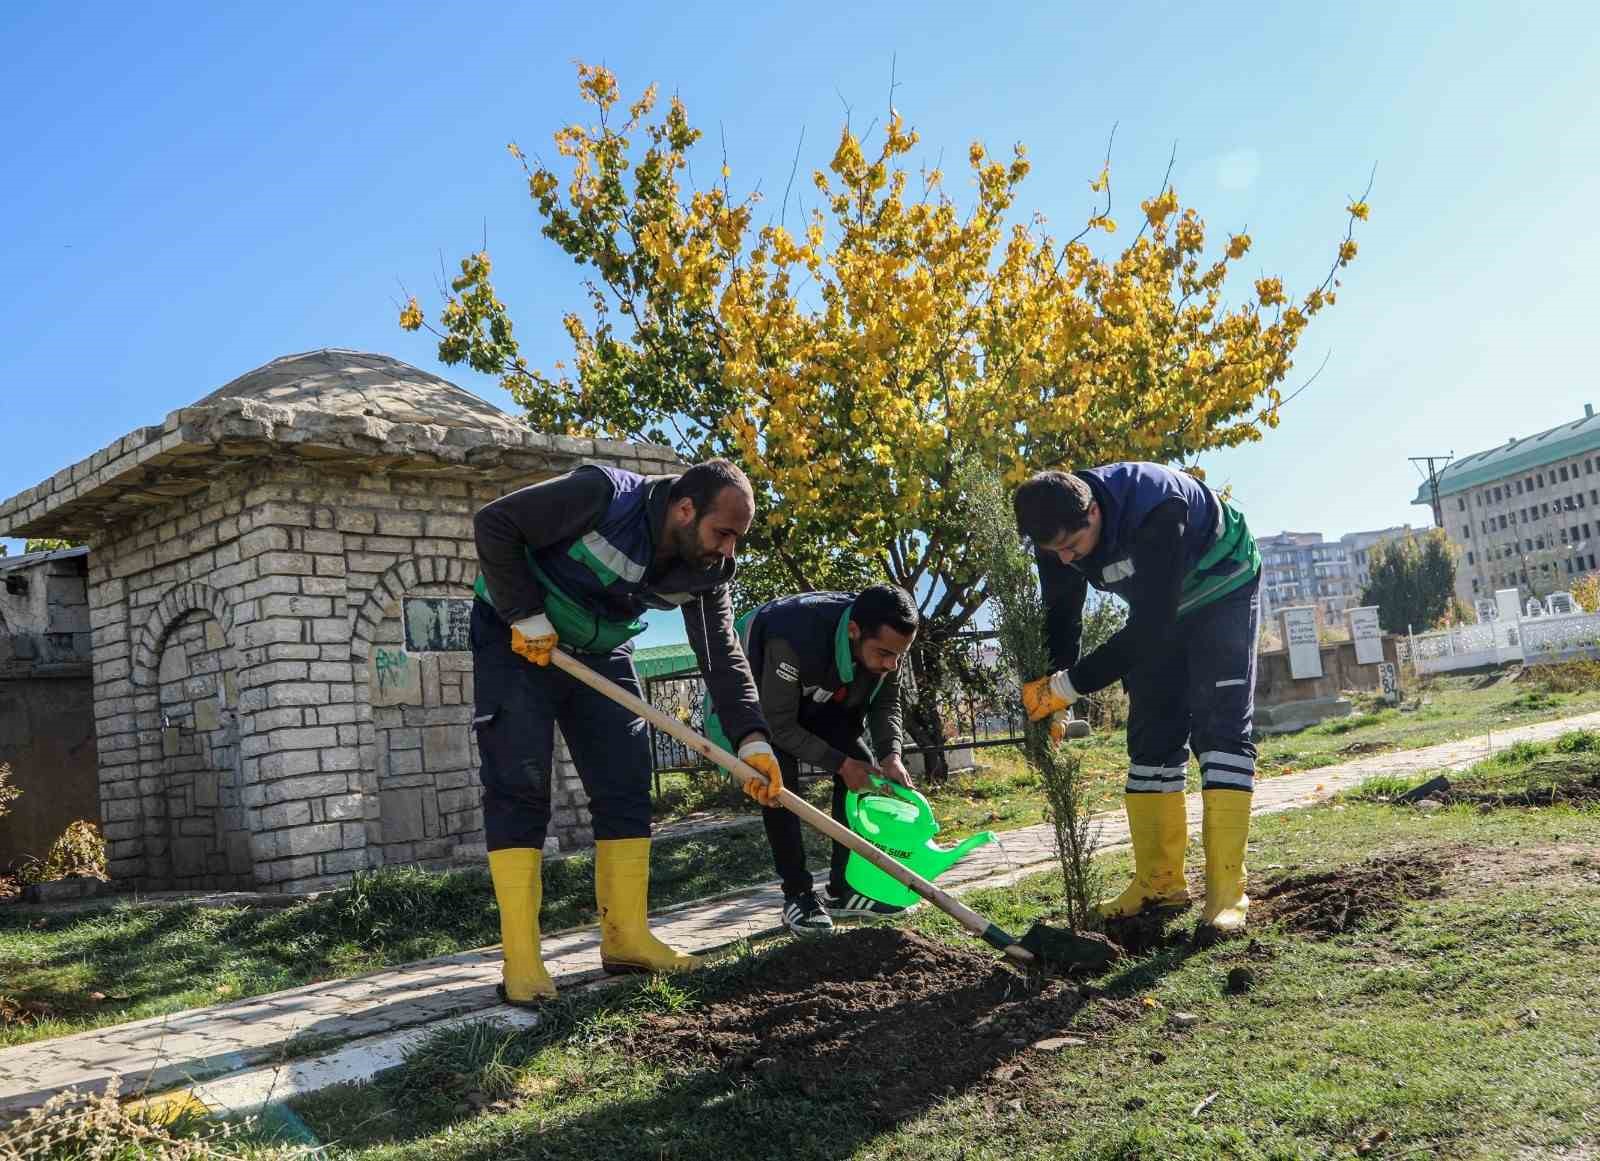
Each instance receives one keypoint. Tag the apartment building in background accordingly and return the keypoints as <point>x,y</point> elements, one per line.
<point>1304,568</point>
<point>1526,514</point>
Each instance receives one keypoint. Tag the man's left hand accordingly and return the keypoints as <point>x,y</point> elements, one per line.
<point>895,770</point>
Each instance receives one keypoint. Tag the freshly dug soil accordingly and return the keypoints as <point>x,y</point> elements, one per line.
<point>1573,791</point>
<point>1330,902</point>
<point>882,1019</point>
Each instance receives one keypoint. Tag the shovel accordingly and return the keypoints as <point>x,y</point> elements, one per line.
<point>1040,942</point>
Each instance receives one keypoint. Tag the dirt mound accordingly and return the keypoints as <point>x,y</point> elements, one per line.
<point>1151,930</point>
<point>1572,791</point>
<point>880,1016</point>
<point>1330,902</point>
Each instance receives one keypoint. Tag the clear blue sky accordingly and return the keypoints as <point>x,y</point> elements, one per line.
<point>190,192</point>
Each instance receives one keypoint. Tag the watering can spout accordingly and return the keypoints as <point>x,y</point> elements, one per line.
<point>945,858</point>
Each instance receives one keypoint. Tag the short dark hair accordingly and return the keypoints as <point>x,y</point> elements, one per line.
<point>883,605</point>
<point>1051,504</point>
<point>703,483</point>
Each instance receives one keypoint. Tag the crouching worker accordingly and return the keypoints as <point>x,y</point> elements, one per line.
<point>573,562</point>
<point>828,669</point>
<point>1188,568</point>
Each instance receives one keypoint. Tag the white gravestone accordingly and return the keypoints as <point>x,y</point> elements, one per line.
<point>1300,636</point>
<point>1367,634</point>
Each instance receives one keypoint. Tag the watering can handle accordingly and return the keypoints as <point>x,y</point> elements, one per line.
<point>905,793</point>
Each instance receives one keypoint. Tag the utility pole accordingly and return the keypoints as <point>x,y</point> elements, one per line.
<point>1433,482</point>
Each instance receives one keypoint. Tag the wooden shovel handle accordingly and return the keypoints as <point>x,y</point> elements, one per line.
<point>792,802</point>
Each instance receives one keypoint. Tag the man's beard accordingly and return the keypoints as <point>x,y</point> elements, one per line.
<point>686,546</point>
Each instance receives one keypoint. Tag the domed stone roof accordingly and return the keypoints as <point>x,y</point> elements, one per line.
<point>334,381</point>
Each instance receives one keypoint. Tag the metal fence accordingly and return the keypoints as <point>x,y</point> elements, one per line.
<point>985,712</point>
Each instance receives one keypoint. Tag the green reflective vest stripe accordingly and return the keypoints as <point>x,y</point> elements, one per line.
<point>1230,563</point>
<point>575,625</point>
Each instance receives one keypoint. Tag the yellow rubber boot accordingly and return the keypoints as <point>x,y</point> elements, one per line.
<point>622,889</point>
<point>1157,825</point>
<point>518,889</point>
<point>1224,830</point>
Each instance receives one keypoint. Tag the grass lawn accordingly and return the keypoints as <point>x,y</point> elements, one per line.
<point>1450,1017</point>
<point>66,973</point>
<point>1004,794</point>
<point>71,972</point>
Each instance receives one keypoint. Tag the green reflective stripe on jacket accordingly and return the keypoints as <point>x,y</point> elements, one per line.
<point>575,625</point>
<point>1231,563</point>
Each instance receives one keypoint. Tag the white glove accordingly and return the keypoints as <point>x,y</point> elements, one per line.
<point>534,638</point>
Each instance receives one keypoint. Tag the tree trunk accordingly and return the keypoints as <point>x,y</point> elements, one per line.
<point>924,719</point>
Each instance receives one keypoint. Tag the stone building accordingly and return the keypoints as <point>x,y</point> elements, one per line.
<point>278,580</point>
<point>46,699</point>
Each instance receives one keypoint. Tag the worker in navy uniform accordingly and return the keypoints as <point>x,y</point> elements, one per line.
<point>1185,563</point>
<point>573,563</point>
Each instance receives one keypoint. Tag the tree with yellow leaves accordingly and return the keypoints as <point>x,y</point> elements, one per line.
<point>851,364</point>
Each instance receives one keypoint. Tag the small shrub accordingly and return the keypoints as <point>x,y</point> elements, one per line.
<point>1578,742</point>
<point>76,1126</point>
<point>8,792</point>
<point>80,851</point>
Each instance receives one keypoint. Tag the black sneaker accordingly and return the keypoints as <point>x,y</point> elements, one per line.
<point>805,917</point>
<point>854,905</point>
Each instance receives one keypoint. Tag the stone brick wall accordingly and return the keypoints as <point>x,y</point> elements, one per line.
<point>245,735</point>
<point>207,840</point>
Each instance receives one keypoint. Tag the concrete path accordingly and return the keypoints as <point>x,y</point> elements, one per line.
<point>248,1041</point>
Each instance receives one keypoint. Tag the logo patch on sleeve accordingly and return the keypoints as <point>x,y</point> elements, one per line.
<point>788,672</point>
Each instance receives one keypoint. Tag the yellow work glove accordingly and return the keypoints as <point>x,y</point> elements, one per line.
<point>1058,726</point>
<point>1048,695</point>
<point>758,754</point>
<point>534,638</point>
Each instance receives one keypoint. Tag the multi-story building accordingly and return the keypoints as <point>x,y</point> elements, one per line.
<point>1524,515</point>
<point>1303,568</point>
<point>1286,572</point>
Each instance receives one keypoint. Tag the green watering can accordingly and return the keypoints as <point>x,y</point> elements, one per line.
<point>898,821</point>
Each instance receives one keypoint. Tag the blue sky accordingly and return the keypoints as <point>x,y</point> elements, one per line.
<point>192,191</point>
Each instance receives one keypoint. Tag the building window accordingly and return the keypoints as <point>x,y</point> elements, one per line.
<point>1474,584</point>
<point>1530,483</point>
<point>1563,473</point>
<point>1540,478</point>
<point>1588,467</point>
<point>1461,504</point>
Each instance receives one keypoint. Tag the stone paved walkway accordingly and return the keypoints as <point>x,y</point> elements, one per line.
<point>246,1034</point>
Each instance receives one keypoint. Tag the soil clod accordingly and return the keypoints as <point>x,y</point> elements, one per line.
<point>1328,903</point>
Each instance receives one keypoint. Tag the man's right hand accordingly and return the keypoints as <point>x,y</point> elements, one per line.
<point>534,638</point>
<point>1047,695</point>
<point>857,774</point>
